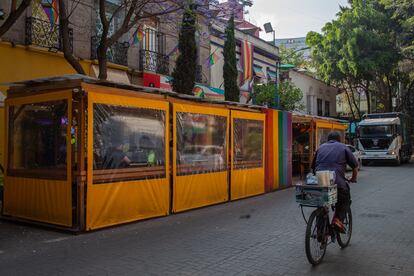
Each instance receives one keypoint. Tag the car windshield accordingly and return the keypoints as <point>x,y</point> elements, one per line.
<point>384,130</point>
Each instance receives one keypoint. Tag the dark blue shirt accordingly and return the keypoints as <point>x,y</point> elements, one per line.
<point>334,156</point>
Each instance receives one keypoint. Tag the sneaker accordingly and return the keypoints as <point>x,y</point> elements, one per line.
<point>339,226</point>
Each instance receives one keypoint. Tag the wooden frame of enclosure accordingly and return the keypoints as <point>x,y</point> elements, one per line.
<point>316,125</point>
<point>87,198</point>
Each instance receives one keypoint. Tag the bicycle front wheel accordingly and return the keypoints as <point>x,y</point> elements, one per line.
<point>344,238</point>
<point>316,236</point>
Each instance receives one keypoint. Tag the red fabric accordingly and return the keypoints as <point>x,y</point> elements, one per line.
<point>152,80</point>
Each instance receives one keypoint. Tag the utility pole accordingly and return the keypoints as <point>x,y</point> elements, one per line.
<point>276,100</point>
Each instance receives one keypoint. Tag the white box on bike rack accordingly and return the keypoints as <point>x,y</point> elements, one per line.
<point>316,196</point>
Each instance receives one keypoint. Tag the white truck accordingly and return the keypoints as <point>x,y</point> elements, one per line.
<point>385,137</point>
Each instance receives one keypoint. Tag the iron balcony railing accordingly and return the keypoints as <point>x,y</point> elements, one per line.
<point>154,62</point>
<point>44,34</point>
<point>117,53</point>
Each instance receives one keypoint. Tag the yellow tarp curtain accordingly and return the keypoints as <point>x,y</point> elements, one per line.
<point>44,200</point>
<point>197,130</point>
<point>113,203</point>
<point>248,178</point>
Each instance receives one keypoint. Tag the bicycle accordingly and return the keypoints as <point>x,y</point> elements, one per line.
<point>319,228</point>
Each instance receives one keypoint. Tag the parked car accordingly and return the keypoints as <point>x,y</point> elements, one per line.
<point>208,155</point>
<point>357,153</point>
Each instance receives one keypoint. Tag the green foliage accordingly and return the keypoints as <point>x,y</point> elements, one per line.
<point>185,69</point>
<point>291,56</point>
<point>402,11</point>
<point>358,50</point>
<point>230,74</point>
<point>290,96</point>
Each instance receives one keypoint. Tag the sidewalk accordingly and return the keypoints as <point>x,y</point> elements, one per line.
<point>263,235</point>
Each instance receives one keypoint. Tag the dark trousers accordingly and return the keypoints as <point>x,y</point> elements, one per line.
<point>343,203</point>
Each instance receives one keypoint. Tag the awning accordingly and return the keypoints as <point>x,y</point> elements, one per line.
<point>286,66</point>
<point>258,72</point>
<point>204,91</point>
<point>114,75</point>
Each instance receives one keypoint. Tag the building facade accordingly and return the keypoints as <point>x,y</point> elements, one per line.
<point>264,60</point>
<point>32,49</point>
<point>318,98</point>
<point>294,43</point>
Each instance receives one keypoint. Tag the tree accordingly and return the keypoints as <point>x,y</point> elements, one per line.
<point>64,21</point>
<point>402,13</point>
<point>292,56</point>
<point>130,12</point>
<point>185,69</point>
<point>357,52</point>
<point>290,96</point>
<point>230,74</point>
<point>15,13</point>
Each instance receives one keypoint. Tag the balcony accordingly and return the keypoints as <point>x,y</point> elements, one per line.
<point>43,34</point>
<point>154,62</point>
<point>117,53</point>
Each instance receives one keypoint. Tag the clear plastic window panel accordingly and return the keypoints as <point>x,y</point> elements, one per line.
<point>38,138</point>
<point>323,135</point>
<point>248,143</point>
<point>201,143</point>
<point>129,143</point>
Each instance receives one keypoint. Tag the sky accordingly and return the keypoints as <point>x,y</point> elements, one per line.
<point>293,18</point>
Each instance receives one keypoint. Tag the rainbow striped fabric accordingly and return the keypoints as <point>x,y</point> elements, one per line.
<point>246,61</point>
<point>52,12</point>
<point>137,36</point>
<point>212,59</point>
<point>279,149</point>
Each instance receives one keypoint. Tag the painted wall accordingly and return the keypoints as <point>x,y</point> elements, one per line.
<point>22,63</point>
<point>312,90</point>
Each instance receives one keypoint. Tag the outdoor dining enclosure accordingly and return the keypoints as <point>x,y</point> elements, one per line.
<point>309,132</point>
<point>83,154</point>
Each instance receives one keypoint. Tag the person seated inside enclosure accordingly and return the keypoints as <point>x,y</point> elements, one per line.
<point>115,157</point>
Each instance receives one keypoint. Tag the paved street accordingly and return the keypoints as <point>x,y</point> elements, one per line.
<point>259,236</point>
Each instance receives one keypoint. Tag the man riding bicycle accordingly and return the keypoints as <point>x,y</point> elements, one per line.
<point>334,156</point>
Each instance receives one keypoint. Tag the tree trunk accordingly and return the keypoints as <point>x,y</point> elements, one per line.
<point>102,60</point>
<point>64,32</point>
<point>353,99</point>
<point>13,16</point>
<point>367,94</point>
<point>349,100</point>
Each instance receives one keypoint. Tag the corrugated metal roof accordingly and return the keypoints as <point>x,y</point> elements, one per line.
<point>138,88</point>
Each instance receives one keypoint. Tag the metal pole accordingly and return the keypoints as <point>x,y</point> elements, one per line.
<point>276,99</point>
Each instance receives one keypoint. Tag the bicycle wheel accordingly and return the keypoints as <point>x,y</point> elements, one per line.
<point>344,238</point>
<point>316,239</point>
